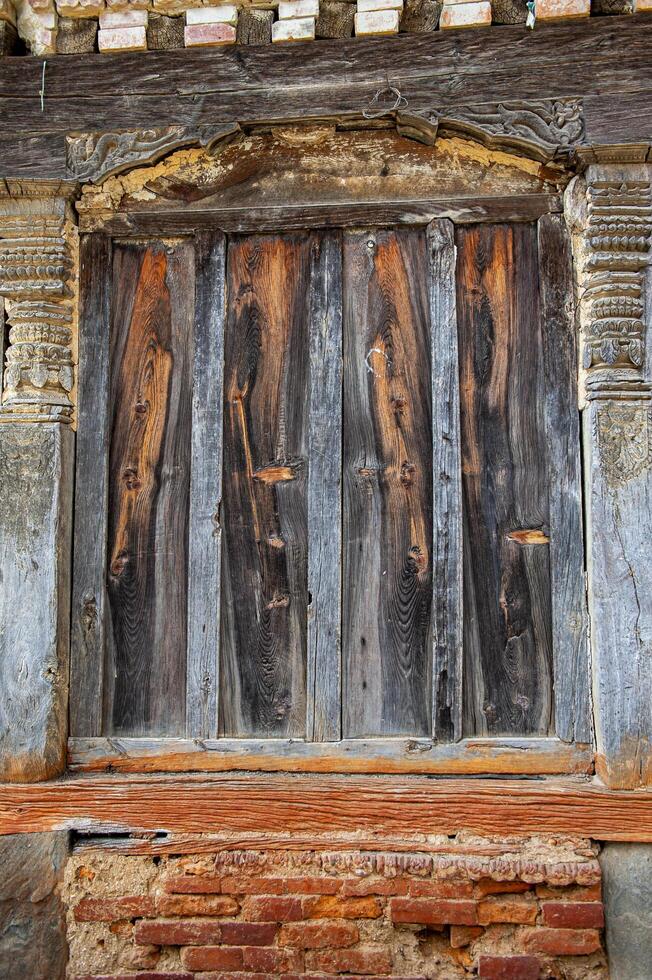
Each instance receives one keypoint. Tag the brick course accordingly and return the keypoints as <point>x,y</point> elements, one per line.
<point>237,915</point>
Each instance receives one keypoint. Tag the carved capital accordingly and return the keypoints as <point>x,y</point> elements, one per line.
<point>613,234</point>
<point>36,265</point>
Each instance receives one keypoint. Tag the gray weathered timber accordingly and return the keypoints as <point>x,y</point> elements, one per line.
<point>89,601</point>
<point>618,458</point>
<point>32,915</point>
<point>205,533</point>
<point>353,214</point>
<point>253,83</point>
<point>324,643</point>
<point>36,476</point>
<point>569,621</point>
<point>627,896</point>
<point>447,488</point>
<point>381,755</point>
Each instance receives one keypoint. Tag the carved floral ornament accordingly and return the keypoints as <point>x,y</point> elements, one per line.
<point>624,437</point>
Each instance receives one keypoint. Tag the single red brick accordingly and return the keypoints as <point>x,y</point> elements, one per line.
<point>433,911</point>
<point>112,909</point>
<point>194,885</point>
<point>241,885</point>
<point>562,942</point>
<point>374,886</point>
<point>573,915</point>
<point>197,905</point>
<point>462,936</point>
<point>330,907</point>
<point>318,935</point>
<point>573,893</point>
<point>440,889</point>
<point>509,968</point>
<point>178,932</point>
<point>271,961</point>
<point>248,933</point>
<point>261,909</point>
<point>364,961</point>
<point>499,909</point>
<point>487,886</point>
<point>212,958</point>
<point>313,886</point>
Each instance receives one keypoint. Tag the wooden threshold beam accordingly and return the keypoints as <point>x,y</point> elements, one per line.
<point>471,756</point>
<point>272,803</point>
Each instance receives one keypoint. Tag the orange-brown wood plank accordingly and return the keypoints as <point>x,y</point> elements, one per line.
<point>387,508</point>
<point>277,804</point>
<point>508,685</point>
<point>149,474</point>
<point>264,577</point>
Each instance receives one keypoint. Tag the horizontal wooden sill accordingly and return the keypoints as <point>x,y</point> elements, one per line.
<point>471,756</point>
<point>303,803</point>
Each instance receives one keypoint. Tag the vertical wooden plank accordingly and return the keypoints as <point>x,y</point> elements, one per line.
<point>323,709</point>
<point>205,536</point>
<point>149,466</point>
<point>387,518</point>
<point>507,615</point>
<point>89,602</point>
<point>569,620</point>
<point>447,488</point>
<point>265,564</point>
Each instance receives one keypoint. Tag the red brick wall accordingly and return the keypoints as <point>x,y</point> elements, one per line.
<point>488,909</point>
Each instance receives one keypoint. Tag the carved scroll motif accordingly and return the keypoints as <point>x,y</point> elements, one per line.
<point>545,129</point>
<point>96,156</point>
<point>35,268</point>
<point>624,436</point>
<point>618,250</point>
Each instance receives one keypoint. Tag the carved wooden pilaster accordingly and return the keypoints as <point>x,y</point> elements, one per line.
<point>611,214</point>
<point>36,265</point>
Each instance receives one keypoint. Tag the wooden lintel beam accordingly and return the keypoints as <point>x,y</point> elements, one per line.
<point>301,803</point>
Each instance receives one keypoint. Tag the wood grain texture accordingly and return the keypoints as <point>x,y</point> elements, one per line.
<point>205,536</point>
<point>264,579</point>
<point>507,614</point>
<point>619,530</point>
<point>36,477</point>
<point>324,651</point>
<point>387,479</point>
<point>517,756</point>
<point>89,596</point>
<point>447,488</point>
<point>274,804</point>
<point>149,467</point>
<point>569,616</point>
<point>354,214</point>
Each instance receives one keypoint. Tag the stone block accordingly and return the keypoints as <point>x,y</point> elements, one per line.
<point>174,7</point>
<point>552,10</point>
<point>208,35</point>
<point>224,13</point>
<point>122,39</point>
<point>365,6</point>
<point>114,19</point>
<point>298,8</point>
<point>76,35</point>
<point>642,5</point>
<point>80,8</point>
<point>377,22</point>
<point>627,892</point>
<point>297,29</point>
<point>255,26</point>
<point>32,915</point>
<point>164,32</point>
<point>457,15</point>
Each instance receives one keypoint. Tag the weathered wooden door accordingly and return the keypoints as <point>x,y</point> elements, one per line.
<point>325,490</point>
